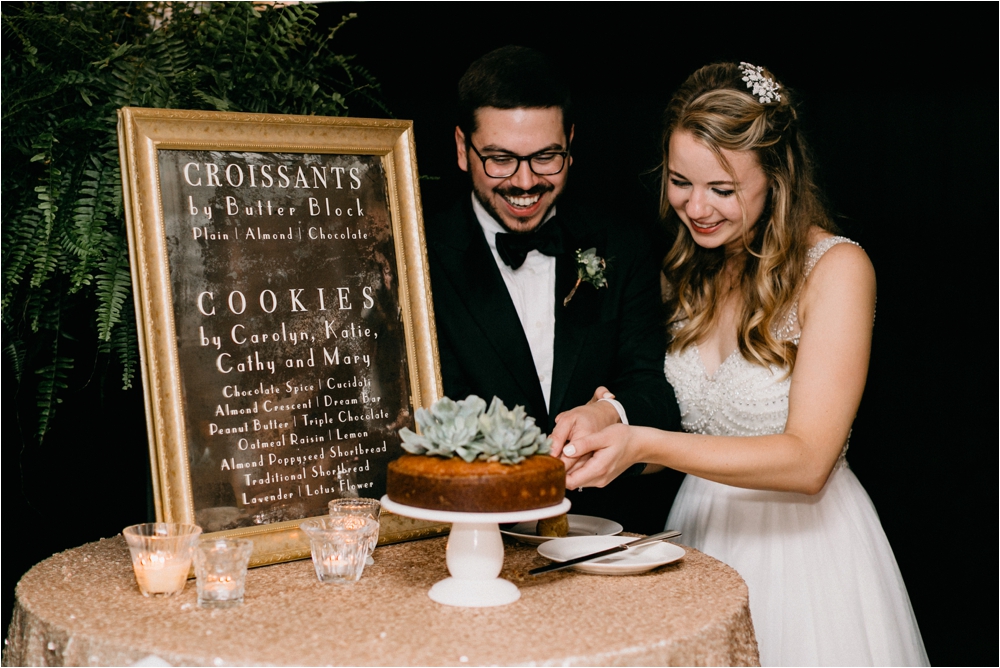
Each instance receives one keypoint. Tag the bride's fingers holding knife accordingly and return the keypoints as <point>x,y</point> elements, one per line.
<point>574,463</point>
<point>596,471</point>
<point>601,457</point>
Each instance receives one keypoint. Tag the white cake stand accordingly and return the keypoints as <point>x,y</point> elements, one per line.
<point>475,553</point>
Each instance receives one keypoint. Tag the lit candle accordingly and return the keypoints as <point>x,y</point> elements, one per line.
<point>221,588</point>
<point>158,573</point>
<point>335,562</point>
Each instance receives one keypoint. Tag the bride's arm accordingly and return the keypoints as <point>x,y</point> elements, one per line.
<point>836,312</point>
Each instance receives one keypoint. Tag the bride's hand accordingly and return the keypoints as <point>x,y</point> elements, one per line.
<point>582,421</point>
<point>598,458</point>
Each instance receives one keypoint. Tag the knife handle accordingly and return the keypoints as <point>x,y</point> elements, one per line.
<point>663,535</point>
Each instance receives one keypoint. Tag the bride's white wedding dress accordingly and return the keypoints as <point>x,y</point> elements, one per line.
<point>824,585</point>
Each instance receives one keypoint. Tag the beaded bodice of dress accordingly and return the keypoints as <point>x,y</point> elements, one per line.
<point>741,398</point>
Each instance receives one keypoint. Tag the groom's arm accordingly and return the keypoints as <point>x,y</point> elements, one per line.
<point>638,381</point>
<point>635,377</point>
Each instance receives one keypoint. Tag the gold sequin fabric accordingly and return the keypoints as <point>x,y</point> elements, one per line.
<point>82,607</point>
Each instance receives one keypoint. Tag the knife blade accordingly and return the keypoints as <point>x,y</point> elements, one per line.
<point>559,565</point>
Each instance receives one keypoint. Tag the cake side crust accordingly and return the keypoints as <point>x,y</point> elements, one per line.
<point>459,486</point>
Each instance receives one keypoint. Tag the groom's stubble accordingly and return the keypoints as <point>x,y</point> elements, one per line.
<point>539,189</point>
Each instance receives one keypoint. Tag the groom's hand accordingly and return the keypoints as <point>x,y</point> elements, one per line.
<point>582,421</point>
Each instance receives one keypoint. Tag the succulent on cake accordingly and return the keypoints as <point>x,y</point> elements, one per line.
<point>510,436</point>
<point>467,429</point>
<point>447,429</point>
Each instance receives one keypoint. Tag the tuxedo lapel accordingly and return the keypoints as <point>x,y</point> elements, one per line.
<point>574,320</point>
<point>472,271</point>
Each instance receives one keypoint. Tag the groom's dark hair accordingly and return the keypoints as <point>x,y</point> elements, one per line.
<point>512,77</point>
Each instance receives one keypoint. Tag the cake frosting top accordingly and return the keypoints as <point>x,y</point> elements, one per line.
<point>468,429</point>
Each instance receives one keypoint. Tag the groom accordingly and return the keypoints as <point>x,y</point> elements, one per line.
<point>504,268</point>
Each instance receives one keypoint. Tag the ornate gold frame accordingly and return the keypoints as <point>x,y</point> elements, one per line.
<point>141,133</point>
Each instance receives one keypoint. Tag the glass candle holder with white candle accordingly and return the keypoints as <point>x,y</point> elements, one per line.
<point>161,555</point>
<point>221,568</point>
<point>359,506</point>
<point>339,546</point>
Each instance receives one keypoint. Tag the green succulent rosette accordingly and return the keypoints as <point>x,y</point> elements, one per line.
<point>467,429</point>
<point>510,436</point>
<point>447,429</point>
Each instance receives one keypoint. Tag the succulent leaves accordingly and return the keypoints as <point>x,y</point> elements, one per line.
<point>590,268</point>
<point>510,435</point>
<point>449,428</point>
<point>465,428</point>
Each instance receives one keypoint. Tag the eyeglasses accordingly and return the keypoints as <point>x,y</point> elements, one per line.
<point>543,163</point>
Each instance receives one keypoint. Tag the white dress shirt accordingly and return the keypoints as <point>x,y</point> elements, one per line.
<point>532,288</point>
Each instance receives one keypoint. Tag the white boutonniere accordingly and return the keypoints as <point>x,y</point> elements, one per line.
<point>589,269</point>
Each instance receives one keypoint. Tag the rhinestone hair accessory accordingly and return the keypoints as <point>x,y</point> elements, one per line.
<point>765,89</point>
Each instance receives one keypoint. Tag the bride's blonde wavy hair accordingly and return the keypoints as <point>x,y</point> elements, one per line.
<point>716,107</point>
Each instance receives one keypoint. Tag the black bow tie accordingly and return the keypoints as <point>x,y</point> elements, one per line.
<point>514,248</point>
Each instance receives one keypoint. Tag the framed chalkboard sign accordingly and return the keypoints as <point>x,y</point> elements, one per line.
<point>284,312</point>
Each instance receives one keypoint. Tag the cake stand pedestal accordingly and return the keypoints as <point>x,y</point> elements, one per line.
<point>474,553</point>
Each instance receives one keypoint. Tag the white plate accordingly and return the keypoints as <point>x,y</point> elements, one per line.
<point>579,525</point>
<point>627,562</point>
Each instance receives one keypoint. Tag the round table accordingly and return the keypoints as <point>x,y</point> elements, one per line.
<point>82,607</point>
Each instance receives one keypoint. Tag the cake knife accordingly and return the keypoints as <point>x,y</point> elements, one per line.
<point>559,565</point>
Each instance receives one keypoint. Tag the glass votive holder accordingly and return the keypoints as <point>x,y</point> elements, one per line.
<point>161,555</point>
<point>359,506</point>
<point>220,565</point>
<point>339,545</point>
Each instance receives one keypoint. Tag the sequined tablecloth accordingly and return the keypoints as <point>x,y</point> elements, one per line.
<point>82,607</point>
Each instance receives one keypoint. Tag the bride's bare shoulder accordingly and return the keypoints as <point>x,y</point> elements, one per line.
<point>839,257</point>
<point>844,272</point>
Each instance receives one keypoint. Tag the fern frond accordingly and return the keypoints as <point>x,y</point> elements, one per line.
<point>17,249</point>
<point>37,307</point>
<point>13,350</point>
<point>125,346</point>
<point>53,379</point>
<point>114,287</point>
<point>67,68</point>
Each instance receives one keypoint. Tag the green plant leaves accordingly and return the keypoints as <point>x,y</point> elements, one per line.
<point>67,69</point>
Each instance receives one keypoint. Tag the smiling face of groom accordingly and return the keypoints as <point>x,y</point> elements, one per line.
<point>520,201</point>
<point>514,134</point>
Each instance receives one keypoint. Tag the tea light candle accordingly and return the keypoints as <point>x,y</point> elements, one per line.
<point>161,555</point>
<point>221,567</point>
<point>222,587</point>
<point>339,545</point>
<point>161,574</point>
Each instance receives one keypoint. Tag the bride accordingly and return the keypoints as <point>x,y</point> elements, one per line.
<point>771,321</point>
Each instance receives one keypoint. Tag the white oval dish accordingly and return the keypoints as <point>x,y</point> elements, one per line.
<point>579,525</point>
<point>627,562</point>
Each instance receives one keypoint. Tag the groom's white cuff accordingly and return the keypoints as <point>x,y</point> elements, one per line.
<point>618,407</point>
<point>635,469</point>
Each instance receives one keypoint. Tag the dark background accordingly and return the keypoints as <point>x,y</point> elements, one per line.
<point>903,125</point>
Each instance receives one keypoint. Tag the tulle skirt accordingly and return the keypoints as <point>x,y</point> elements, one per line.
<point>824,585</point>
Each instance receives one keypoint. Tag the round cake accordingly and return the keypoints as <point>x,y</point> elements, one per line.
<point>476,487</point>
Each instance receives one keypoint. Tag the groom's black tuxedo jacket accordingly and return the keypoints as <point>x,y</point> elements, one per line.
<point>612,336</point>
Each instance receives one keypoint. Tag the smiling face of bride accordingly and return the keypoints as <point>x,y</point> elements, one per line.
<point>717,206</point>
